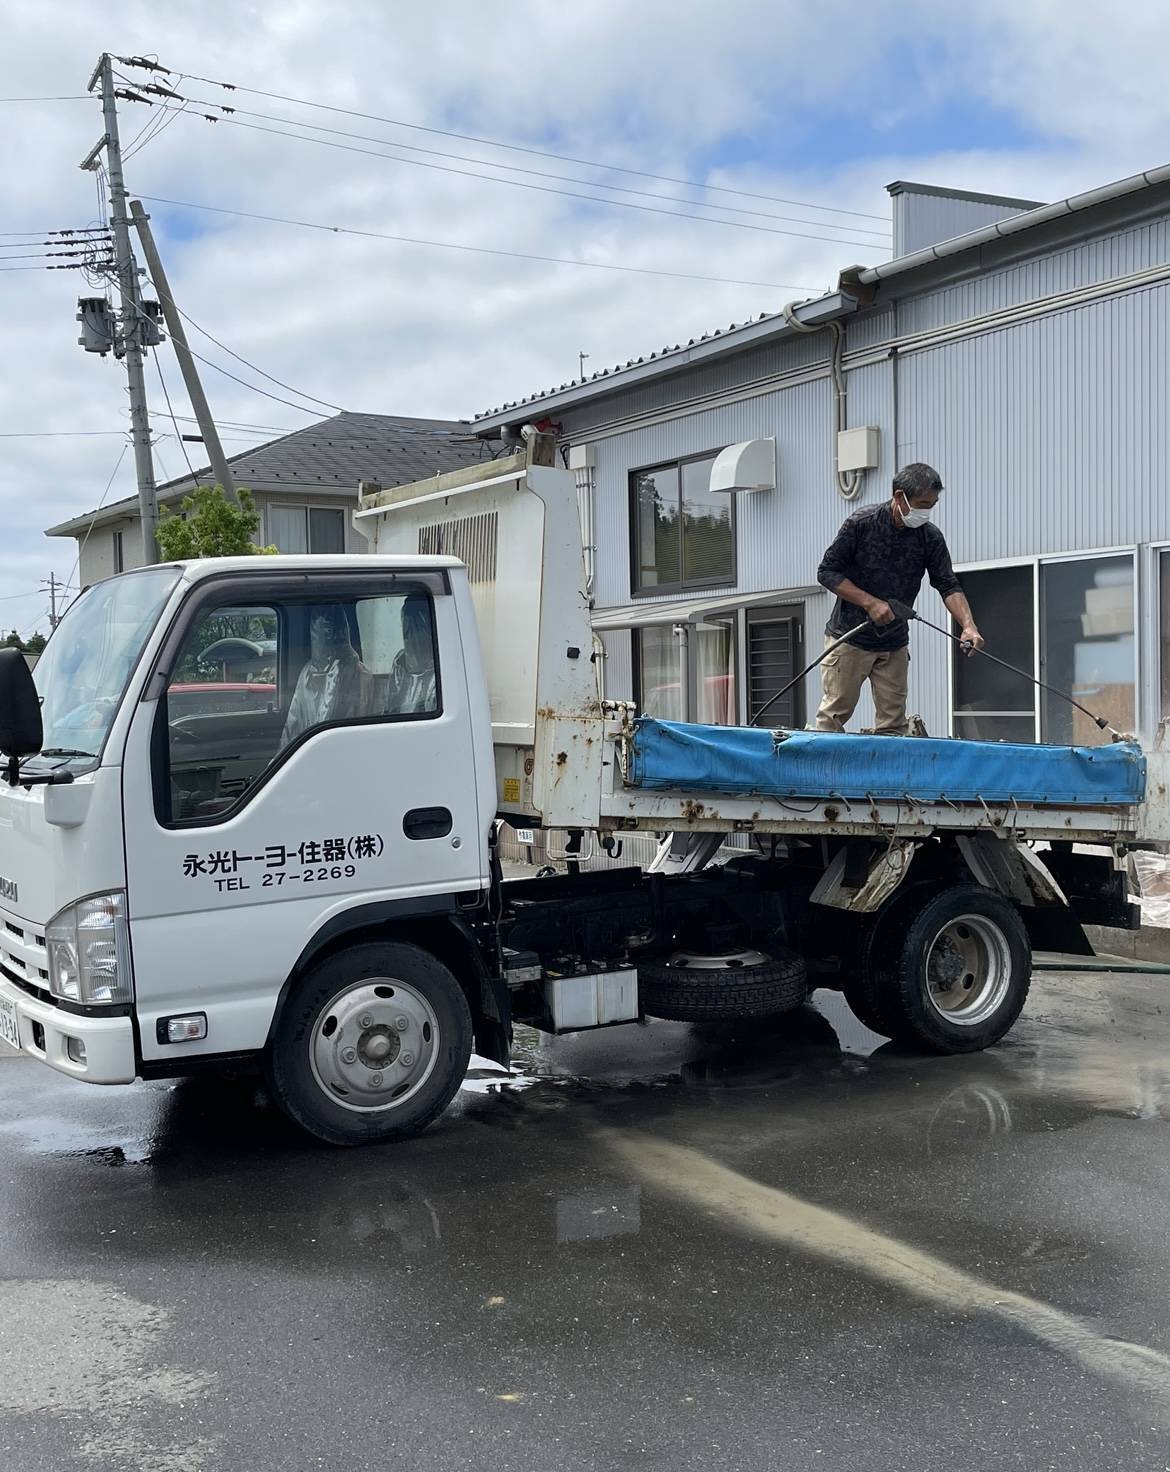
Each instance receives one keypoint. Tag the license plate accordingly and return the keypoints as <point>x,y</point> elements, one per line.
<point>8,1029</point>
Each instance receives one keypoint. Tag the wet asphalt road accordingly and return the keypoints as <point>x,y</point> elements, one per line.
<point>656,1248</point>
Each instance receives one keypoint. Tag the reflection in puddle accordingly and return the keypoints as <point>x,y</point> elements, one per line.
<point>974,1109</point>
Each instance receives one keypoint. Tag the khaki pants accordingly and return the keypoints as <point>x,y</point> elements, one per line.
<point>846,671</point>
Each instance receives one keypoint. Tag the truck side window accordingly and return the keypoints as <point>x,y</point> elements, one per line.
<point>251,682</point>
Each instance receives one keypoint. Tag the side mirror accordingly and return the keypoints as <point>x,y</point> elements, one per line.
<point>21,731</point>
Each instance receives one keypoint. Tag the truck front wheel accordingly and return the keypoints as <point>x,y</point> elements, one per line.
<point>955,976</point>
<point>371,1044</point>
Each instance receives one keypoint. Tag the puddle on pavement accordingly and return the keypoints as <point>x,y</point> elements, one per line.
<point>1088,1045</point>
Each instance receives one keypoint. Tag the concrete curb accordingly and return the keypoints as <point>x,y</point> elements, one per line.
<point>1150,943</point>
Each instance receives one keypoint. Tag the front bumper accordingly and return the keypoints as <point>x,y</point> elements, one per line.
<point>44,1032</point>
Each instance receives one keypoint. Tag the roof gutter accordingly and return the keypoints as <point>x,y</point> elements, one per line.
<point>1014,225</point>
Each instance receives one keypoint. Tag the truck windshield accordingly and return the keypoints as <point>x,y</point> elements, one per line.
<point>83,672</point>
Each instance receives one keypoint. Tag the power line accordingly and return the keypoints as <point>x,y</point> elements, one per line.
<point>51,434</point>
<point>96,512</point>
<point>240,359</point>
<point>241,381</point>
<point>72,97</point>
<point>473,249</point>
<point>622,204</point>
<point>516,147</point>
<point>235,112</point>
<point>174,421</point>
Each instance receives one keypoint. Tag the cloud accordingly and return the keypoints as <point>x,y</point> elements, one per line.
<point>824,103</point>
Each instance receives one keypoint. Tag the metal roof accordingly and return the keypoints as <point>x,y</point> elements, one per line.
<point>671,359</point>
<point>819,310</point>
<point>327,458</point>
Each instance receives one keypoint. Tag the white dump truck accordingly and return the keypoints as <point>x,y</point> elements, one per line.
<point>250,815</point>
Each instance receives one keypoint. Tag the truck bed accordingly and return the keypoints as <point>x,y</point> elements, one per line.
<point>672,775</point>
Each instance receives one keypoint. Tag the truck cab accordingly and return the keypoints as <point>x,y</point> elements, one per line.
<point>169,862</point>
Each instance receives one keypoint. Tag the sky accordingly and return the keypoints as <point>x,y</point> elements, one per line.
<point>824,105</point>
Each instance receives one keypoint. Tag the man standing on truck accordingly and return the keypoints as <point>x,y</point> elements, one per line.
<point>884,552</point>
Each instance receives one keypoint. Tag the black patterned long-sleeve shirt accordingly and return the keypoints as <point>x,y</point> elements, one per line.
<point>887,561</point>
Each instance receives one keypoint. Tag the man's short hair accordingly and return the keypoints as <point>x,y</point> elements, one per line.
<point>917,480</point>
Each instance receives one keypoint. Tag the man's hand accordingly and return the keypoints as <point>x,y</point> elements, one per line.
<point>880,612</point>
<point>972,640</point>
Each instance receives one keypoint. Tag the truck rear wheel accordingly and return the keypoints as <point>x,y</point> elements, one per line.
<point>371,1045</point>
<point>953,977</point>
<point>690,987</point>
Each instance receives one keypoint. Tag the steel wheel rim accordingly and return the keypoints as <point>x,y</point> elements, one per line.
<point>968,970</point>
<point>374,1046</point>
<point>724,961</point>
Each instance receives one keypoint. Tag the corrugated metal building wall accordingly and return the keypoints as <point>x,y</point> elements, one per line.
<point>1037,386</point>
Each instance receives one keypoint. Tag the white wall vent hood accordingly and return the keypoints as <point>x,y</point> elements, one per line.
<point>749,466</point>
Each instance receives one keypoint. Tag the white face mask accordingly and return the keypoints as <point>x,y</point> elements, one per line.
<point>911,516</point>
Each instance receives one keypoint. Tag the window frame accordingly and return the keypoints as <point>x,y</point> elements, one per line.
<point>1037,562</point>
<point>732,623</point>
<point>306,507</point>
<point>766,613</point>
<point>276,591</point>
<point>685,585</point>
<point>118,550</point>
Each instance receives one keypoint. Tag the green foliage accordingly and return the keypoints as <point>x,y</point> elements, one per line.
<point>26,646</point>
<point>210,526</point>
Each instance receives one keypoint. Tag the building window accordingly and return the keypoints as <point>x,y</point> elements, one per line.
<point>992,704</point>
<point>710,694</point>
<point>683,534</point>
<point>1085,640</point>
<point>775,639</point>
<point>119,553</point>
<point>1087,647</point>
<point>306,528</point>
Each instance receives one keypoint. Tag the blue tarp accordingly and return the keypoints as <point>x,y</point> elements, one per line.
<point>740,761</point>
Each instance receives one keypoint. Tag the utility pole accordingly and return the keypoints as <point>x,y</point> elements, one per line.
<point>581,364</point>
<point>133,317</point>
<point>53,587</point>
<point>219,466</point>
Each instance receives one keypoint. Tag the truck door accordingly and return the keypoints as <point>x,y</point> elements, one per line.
<point>312,749</point>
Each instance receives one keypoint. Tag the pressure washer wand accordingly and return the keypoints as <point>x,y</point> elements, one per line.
<point>904,612</point>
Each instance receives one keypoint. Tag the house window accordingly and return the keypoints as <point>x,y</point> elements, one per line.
<point>1087,647</point>
<point>710,696</point>
<point>306,528</point>
<point>683,534</point>
<point>775,639</point>
<point>992,704</point>
<point>119,553</point>
<point>1085,640</point>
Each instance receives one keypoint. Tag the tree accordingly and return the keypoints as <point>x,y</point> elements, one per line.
<point>36,644</point>
<point>210,526</point>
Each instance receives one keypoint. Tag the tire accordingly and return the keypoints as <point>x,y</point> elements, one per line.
<point>370,1045</point>
<point>691,988</point>
<point>954,976</point>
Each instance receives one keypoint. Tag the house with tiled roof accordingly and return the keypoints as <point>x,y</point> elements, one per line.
<point>305,485</point>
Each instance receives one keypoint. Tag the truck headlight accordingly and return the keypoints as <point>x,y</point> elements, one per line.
<point>89,952</point>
